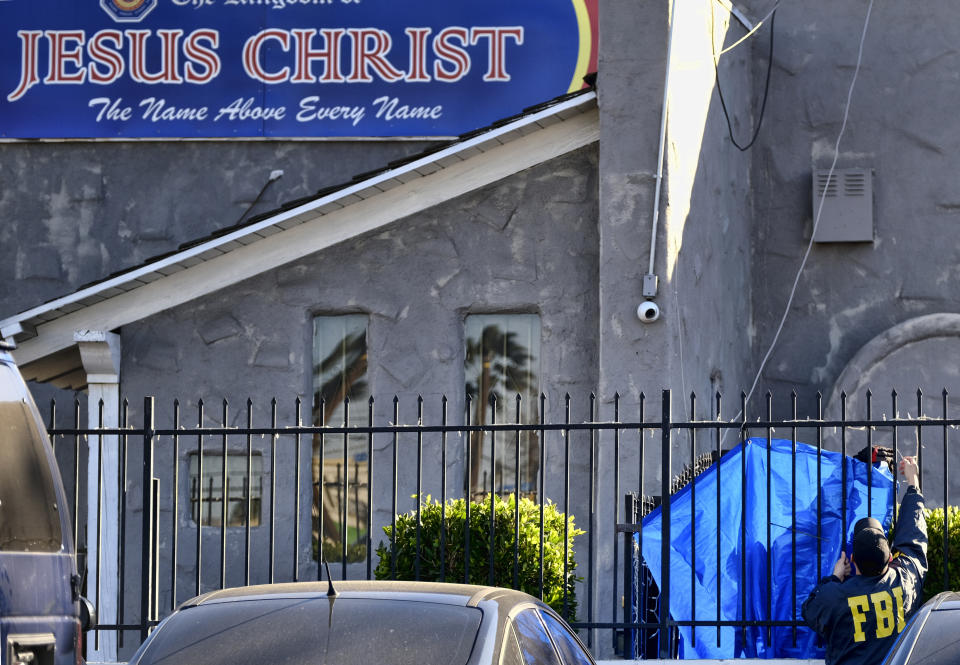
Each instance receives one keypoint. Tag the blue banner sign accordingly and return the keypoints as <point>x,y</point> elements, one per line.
<point>283,68</point>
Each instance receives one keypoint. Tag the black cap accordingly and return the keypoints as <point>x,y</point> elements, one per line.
<point>871,551</point>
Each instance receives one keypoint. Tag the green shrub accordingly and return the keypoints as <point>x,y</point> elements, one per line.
<point>934,581</point>
<point>528,575</point>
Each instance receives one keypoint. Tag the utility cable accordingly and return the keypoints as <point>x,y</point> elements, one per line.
<point>274,175</point>
<point>816,221</point>
<point>766,88</point>
<point>749,34</point>
<point>663,111</point>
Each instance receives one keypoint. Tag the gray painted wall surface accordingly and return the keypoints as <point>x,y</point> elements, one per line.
<point>701,342</point>
<point>526,244</point>
<point>704,225</point>
<point>74,212</point>
<point>903,125</point>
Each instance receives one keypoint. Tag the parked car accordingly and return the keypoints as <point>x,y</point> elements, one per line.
<point>400,623</point>
<point>933,635</point>
<point>42,616</point>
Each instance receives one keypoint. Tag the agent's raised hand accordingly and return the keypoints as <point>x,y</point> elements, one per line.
<point>909,471</point>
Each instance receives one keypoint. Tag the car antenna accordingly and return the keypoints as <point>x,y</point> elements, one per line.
<point>332,597</point>
<point>331,592</point>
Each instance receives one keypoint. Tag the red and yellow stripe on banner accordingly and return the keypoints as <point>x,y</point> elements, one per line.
<point>586,11</point>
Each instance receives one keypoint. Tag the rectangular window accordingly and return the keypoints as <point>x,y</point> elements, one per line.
<point>502,358</point>
<point>240,485</point>
<point>340,465</point>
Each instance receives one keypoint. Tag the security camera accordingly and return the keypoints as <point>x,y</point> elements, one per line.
<point>648,312</point>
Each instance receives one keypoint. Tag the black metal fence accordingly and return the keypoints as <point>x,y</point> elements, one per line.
<point>286,504</point>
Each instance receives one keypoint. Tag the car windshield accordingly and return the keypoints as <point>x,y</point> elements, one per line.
<point>939,641</point>
<point>29,521</point>
<point>295,631</point>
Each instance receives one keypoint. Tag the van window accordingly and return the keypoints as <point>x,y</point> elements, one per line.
<point>29,521</point>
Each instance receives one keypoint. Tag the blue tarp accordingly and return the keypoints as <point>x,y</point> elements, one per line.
<point>717,580</point>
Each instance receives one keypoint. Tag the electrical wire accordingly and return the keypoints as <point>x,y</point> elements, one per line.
<point>753,30</point>
<point>749,34</point>
<point>259,196</point>
<point>816,221</point>
<point>766,88</point>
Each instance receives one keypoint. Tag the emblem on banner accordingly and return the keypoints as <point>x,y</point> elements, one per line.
<point>128,11</point>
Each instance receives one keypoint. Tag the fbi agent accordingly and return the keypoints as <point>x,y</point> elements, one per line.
<point>859,616</point>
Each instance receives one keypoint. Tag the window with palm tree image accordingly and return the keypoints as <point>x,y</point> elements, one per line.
<point>502,358</point>
<point>340,465</point>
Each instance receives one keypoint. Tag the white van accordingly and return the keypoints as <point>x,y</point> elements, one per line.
<point>42,615</point>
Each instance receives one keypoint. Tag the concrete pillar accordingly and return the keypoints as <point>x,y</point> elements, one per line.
<point>100,354</point>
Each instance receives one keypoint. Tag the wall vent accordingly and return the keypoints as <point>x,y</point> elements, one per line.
<point>847,214</point>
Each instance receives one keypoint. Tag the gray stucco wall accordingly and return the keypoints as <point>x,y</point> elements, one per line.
<point>75,212</point>
<point>703,235</point>
<point>701,342</point>
<point>526,244</point>
<point>902,125</point>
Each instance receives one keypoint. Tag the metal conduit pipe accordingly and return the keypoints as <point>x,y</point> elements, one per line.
<point>648,311</point>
